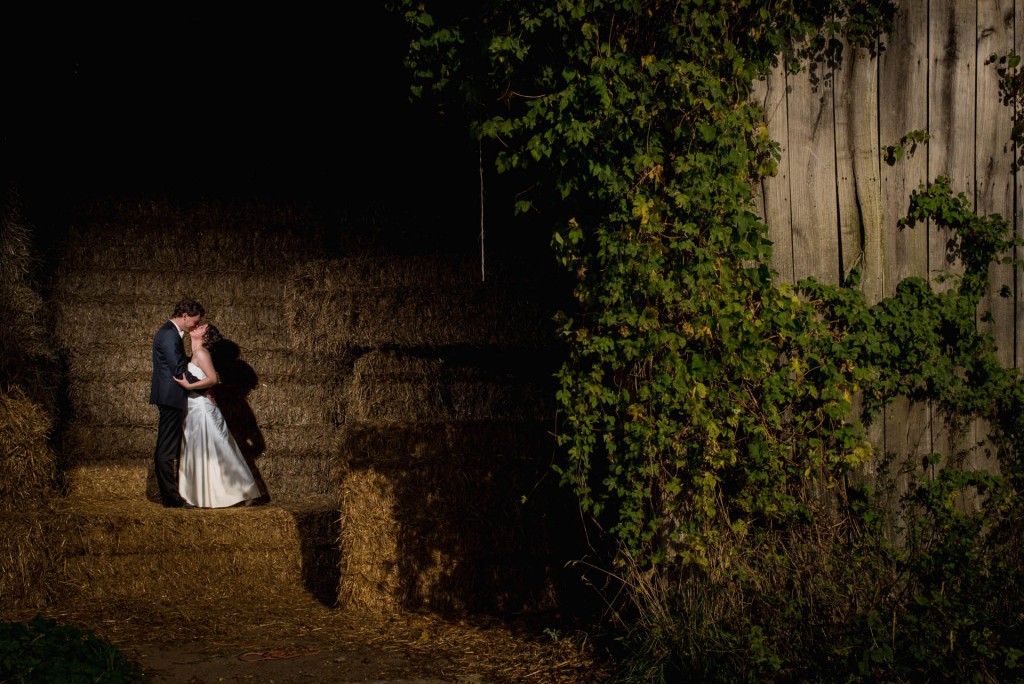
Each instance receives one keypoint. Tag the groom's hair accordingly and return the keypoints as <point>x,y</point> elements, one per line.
<point>188,307</point>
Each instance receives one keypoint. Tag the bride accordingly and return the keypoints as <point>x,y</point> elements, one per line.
<point>212,472</point>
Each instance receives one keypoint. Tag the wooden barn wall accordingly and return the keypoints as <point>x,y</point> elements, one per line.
<point>835,202</point>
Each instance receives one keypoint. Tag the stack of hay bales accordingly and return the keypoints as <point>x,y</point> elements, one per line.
<point>447,502</point>
<point>31,525</point>
<point>30,360</point>
<point>30,552</point>
<point>121,270</point>
<point>397,410</point>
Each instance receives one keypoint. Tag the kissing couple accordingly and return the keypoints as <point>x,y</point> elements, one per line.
<point>213,472</point>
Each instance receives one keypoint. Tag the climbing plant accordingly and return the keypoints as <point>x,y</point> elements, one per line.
<point>706,409</point>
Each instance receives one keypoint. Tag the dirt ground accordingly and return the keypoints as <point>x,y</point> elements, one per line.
<point>286,662</point>
<point>298,640</point>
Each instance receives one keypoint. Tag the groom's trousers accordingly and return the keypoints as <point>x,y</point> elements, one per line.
<point>168,446</point>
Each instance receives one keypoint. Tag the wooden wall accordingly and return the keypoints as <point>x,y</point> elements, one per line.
<point>835,202</point>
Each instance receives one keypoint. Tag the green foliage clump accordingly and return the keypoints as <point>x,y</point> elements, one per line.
<point>707,410</point>
<point>686,362</point>
<point>43,651</point>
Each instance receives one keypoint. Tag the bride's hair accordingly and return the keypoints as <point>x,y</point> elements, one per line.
<point>212,336</point>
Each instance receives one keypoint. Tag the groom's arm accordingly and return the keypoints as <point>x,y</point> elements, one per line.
<point>169,347</point>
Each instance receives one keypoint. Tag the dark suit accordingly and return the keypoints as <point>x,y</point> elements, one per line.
<point>172,400</point>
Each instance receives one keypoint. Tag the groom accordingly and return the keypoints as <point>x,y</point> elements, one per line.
<point>170,397</point>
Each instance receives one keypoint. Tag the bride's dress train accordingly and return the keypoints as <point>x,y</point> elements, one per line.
<point>212,471</point>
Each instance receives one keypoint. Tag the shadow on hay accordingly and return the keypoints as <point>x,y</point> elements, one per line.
<point>472,520</point>
<point>238,379</point>
<point>317,528</point>
<point>321,557</point>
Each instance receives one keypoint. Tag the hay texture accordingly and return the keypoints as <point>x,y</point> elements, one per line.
<point>27,463</point>
<point>208,236</point>
<point>31,556</point>
<point>29,377</point>
<point>130,549</point>
<point>410,301</point>
<point>29,358</point>
<point>394,387</point>
<point>449,518</point>
<point>29,524</point>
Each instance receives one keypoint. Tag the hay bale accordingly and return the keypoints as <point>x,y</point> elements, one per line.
<point>270,364</point>
<point>132,325</point>
<point>433,270</point>
<point>118,527</point>
<point>321,321</point>
<point>109,480</point>
<point>101,404</point>
<point>297,403</point>
<point>246,367</point>
<point>27,463</point>
<point>29,524</point>
<point>127,442</point>
<point>29,358</point>
<point>250,236</point>
<point>145,285</point>
<point>133,549</point>
<point>420,539</point>
<point>325,321</point>
<point>421,301</point>
<point>366,445</point>
<point>31,556</point>
<point>370,573</point>
<point>206,577</point>
<point>90,364</point>
<point>297,477</point>
<point>285,440</point>
<point>84,442</point>
<point>280,403</point>
<point>449,519</point>
<point>394,387</point>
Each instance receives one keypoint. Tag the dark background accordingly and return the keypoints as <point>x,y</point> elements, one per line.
<point>299,105</point>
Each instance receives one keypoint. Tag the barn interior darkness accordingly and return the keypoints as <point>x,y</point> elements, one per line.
<point>292,105</point>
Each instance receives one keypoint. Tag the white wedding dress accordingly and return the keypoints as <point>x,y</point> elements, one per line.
<point>212,472</point>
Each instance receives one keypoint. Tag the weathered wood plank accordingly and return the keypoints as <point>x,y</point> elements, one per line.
<point>775,196</point>
<point>903,92</point>
<point>951,123</point>
<point>858,175</point>
<point>903,82</point>
<point>859,189</point>
<point>851,247</point>
<point>951,110</point>
<point>994,185</point>
<point>813,180</point>
<point>1018,217</point>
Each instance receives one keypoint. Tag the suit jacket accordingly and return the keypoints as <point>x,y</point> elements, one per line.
<point>168,361</point>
